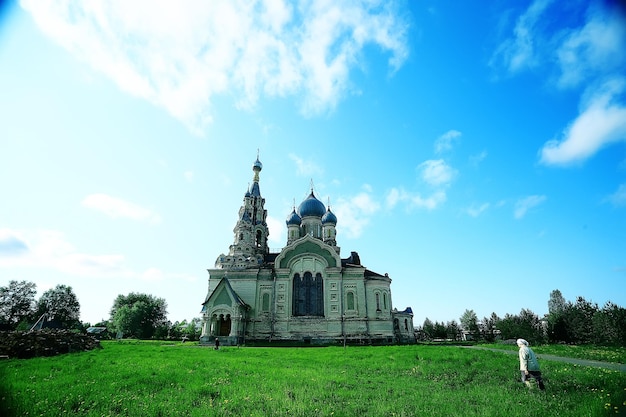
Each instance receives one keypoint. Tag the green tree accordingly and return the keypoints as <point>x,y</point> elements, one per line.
<point>556,303</point>
<point>453,330</point>
<point>469,323</point>
<point>508,326</point>
<point>138,315</point>
<point>526,325</point>
<point>609,325</point>
<point>164,331</point>
<point>488,327</point>
<point>440,330</point>
<point>194,329</point>
<point>17,303</point>
<point>429,329</point>
<point>579,321</point>
<point>61,306</point>
<point>557,327</point>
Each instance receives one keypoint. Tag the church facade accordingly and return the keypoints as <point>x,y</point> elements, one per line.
<point>305,293</point>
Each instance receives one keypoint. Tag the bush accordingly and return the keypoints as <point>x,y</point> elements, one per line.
<point>47,342</point>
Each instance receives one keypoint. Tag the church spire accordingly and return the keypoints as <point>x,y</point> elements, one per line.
<point>256,167</point>
<point>250,233</point>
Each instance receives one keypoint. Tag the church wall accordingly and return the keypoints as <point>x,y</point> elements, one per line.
<point>377,308</point>
<point>351,304</point>
<point>358,323</point>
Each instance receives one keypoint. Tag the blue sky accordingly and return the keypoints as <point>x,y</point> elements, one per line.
<point>475,154</point>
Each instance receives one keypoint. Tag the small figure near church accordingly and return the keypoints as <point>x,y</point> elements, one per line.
<point>528,364</point>
<point>217,344</point>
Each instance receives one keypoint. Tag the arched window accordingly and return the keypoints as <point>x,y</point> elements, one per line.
<point>406,325</point>
<point>384,301</point>
<point>265,302</point>
<point>350,301</point>
<point>259,236</point>
<point>308,295</point>
<point>377,301</point>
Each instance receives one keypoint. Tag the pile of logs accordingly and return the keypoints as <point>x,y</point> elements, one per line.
<point>46,342</point>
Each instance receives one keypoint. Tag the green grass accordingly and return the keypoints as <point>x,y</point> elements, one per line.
<point>589,352</point>
<point>148,379</point>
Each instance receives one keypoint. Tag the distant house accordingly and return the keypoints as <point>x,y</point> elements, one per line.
<point>305,292</point>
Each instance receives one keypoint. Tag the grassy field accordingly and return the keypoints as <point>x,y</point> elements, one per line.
<point>150,379</point>
<point>594,353</point>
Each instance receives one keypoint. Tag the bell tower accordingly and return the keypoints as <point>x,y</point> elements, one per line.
<point>251,232</point>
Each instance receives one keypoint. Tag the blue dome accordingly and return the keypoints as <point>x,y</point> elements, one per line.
<point>257,165</point>
<point>329,217</point>
<point>293,219</point>
<point>311,207</point>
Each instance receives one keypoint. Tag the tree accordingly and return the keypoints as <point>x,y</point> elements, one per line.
<point>17,303</point>
<point>428,328</point>
<point>526,325</point>
<point>609,325</point>
<point>557,306</point>
<point>556,303</point>
<point>440,330</point>
<point>531,326</point>
<point>453,330</point>
<point>194,328</point>
<point>579,320</point>
<point>61,306</point>
<point>138,315</point>
<point>488,327</point>
<point>469,323</point>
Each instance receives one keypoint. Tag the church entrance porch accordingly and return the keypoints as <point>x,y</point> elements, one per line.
<point>223,325</point>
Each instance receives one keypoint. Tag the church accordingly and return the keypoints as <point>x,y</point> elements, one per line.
<point>306,293</point>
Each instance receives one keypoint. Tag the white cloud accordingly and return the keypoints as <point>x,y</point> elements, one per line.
<point>518,52</point>
<point>305,168</point>
<point>476,159</point>
<point>180,56</point>
<point>416,200</point>
<point>152,275</point>
<point>394,196</point>
<point>591,55</point>
<point>354,213</point>
<point>156,275</point>
<point>116,208</point>
<point>601,122</point>
<point>11,243</point>
<point>436,172</point>
<point>81,264</point>
<point>476,210</point>
<point>277,229</point>
<point>50,250</point>
<point>618,198</point>
<point>431,202</point>
<point>599,47</point>
<point>524,204</point>
<point>445,142</point>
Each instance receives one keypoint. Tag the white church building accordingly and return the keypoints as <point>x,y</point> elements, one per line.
<point>306,293</point>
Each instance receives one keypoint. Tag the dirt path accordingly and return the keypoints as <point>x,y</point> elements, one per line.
<point>583,362</point>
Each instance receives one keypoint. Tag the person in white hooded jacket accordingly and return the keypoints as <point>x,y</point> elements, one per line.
<point>528,364</point>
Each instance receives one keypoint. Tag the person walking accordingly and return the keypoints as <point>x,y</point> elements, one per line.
<point>217,343</point>
<point>529,365</point>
